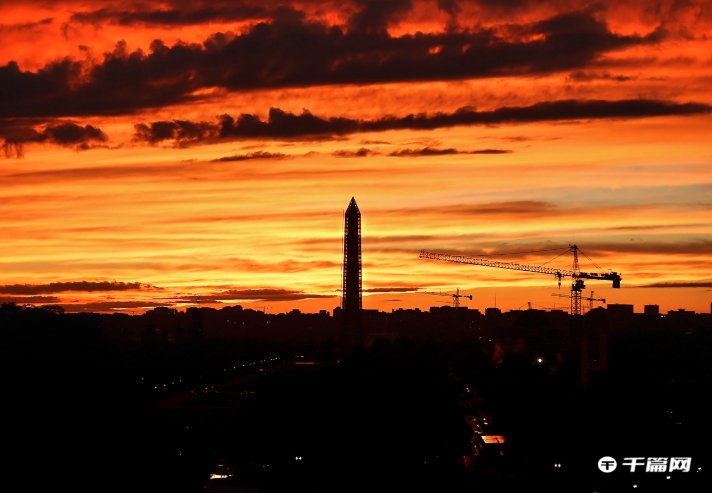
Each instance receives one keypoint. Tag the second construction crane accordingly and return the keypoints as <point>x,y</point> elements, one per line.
<point>577,277</point>
<point>455,296</point>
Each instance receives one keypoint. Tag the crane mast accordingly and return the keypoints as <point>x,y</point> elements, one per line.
<point>577,277</point>
<point>577,284</point>
<point>456,298</point>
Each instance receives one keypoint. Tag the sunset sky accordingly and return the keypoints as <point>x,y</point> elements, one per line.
<point>168,153</point>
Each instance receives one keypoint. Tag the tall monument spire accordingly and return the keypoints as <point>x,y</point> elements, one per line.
<point>351,298</point>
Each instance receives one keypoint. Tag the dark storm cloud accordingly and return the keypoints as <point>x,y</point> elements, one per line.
<point>60,287</point>
<point>361,152</point>
<point>680,284</point>
<point>266,295</point>
<point>425,151</point>
<point>375,16</point>
<point>258,294</point>
<point>433,151</point>
<point>293,51</point>
<point>71,134</point>
<point>280,124</point>
<point>65,134</point>
<point>506,5</point>
<point>392,289</point>
<point>369,16</point>
<point>22,300</point>
<point>451,7</point>
<point>183,131</point>
<point>253,155</point>
<point>25,26</point>
<point>284,125</point>
<point>215,11</point>
<point>122,83</point>
<point>490,151</point>
<point>110,306</point>
<point>587,76</point>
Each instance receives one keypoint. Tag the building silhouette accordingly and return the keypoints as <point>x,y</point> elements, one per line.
<point>651,310</point>
<point>351,288</point>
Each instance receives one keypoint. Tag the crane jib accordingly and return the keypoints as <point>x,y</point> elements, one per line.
<point>558,273</point>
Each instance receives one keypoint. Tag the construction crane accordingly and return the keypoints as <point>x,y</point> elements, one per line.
<point>455,296</point>
<point>591,299</point>
<point>577,277</point>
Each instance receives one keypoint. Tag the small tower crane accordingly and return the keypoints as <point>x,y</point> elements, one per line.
<point>591,299</point>
<point>455,296</point>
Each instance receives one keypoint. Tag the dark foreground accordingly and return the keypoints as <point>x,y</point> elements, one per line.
<point>87,411</point>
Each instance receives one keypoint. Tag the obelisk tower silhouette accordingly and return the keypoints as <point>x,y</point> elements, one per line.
<point>351,289</point>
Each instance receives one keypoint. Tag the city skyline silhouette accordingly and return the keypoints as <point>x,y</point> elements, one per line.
<point>192,301</point>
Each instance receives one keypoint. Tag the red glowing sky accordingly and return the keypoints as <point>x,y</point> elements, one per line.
<point>157,153</point>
